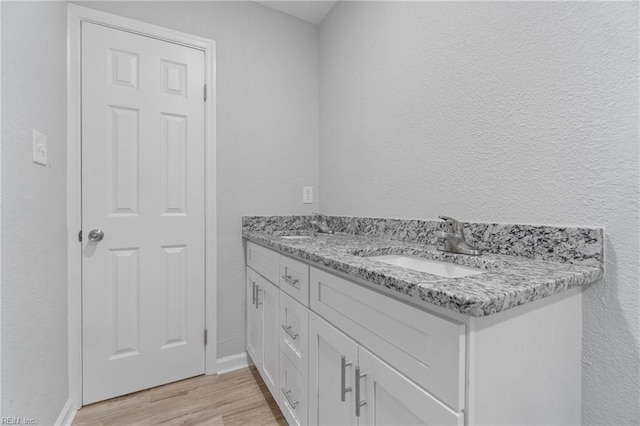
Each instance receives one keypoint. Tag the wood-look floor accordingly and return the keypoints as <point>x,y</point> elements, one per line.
<point>236,398</point>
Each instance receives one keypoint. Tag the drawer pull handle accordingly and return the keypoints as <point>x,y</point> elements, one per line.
<point>287,328</point>
<point>290,280</point>
<point>291,402</point>
<point>343,379</point>
<point>358,402</point>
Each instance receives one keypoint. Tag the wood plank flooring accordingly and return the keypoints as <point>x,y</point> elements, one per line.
<point>236,398</point>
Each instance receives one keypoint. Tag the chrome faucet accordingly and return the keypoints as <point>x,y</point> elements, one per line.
<point>453,241</point>
<point>321,224</point>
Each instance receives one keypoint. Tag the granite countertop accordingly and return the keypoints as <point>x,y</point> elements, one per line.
<point>508,281</point>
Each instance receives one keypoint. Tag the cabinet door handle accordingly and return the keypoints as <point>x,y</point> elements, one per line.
<point>291,402</point>
<point>258,302</point>
<point>343,379</point>
<point>290,280</point>
<point>358,402</point>
<point>253,295</point>
<point>287,328</point>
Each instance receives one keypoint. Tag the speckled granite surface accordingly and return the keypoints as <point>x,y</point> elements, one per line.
<point>521,263</point>
<point>582,246</point>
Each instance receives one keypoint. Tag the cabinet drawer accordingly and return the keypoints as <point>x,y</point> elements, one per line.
<point>263,261</point>
<point>293,396</point>
<point>294,279</point>
<point>421,345</point>
<point>294,339</point>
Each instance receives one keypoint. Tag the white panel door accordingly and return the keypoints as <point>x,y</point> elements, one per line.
<point>143,187</point>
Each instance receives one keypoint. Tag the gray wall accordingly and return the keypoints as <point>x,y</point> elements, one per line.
<point>34,240</point>
<point>267,123</point>
<point>497,111</point>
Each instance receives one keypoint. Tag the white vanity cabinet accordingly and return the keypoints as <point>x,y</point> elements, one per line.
<point>334,351</point>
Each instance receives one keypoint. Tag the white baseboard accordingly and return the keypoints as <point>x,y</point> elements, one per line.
<point>233,362</point>
<point>66,415</point>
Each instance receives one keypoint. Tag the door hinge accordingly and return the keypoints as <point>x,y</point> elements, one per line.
<point>80,236</point>
<point>205,93</point>
<point>205,337</point>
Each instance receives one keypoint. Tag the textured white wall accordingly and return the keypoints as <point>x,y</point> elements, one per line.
<point>497,111</point>
<point>267,123</point>
<point>34,275</point>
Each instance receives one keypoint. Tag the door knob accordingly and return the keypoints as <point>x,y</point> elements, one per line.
<point>96,235</point>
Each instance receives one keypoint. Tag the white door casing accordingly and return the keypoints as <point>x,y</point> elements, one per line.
<point>143,186</point>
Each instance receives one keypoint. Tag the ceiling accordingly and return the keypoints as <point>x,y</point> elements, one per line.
<point>308,10</point>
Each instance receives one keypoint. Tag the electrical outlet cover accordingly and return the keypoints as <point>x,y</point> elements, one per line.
<point>307,194</point>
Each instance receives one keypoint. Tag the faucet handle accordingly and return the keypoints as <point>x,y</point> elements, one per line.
<point>454,225</point>
<point>322,223</point>
<point>450,221</point>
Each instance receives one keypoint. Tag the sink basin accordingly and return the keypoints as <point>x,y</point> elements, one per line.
<point>295,237</point>
<point>434,267</point>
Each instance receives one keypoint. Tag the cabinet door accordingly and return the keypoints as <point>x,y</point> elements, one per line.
<point>390,398</point>
<point>254,320</point>
<point>331,400</point>
<point>268,299</point>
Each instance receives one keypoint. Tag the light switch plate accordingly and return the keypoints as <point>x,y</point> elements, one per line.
<point>39,148</point>
<point>307,194</point>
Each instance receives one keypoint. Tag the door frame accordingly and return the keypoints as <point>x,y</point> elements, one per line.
<point>75,16</point>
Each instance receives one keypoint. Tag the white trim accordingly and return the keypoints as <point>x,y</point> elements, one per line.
<point>75,15</point>
<point>66,415</point>
<point>233,362</point>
